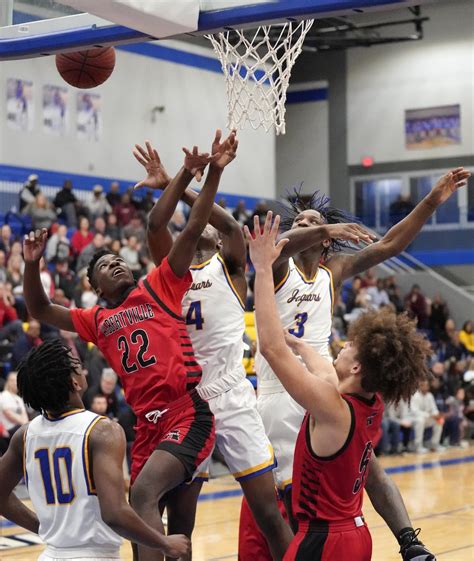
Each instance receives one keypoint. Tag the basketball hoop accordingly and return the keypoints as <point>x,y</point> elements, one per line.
<point>257,72</point>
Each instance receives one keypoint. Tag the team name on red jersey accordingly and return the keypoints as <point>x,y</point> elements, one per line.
<point>127,318</point>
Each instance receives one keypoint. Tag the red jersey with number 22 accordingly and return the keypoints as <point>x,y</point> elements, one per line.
<point>331,488</point>
<point>145,340</point>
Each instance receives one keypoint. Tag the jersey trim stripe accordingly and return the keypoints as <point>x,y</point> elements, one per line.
<point>91,490</point>
<point>303,277</point>
<point>343,447</point>
<point>331,286</point>
<point>160,303</point>
<point>201,265</point>
<point>257,470</point>
<point>25,473</point>
<point>64,415</point>
<point>229,280</point>
<point>283,280</point>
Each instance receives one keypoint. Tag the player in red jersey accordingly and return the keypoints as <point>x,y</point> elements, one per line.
<point>143,336</point>
<point>384,358</point>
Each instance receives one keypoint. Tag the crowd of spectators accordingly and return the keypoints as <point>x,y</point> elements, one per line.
<point>77,229</point>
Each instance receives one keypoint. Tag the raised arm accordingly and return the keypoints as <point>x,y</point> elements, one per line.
<point>159,237</point>
<point>11,472</point>
<point>37,301</point>
<point>314,394</point>
<point>107,446</point>
<point>182,252</point>
<point>403,233</point>
<point>388,502</point>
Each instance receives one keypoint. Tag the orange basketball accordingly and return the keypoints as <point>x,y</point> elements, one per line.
<point>86,69</point>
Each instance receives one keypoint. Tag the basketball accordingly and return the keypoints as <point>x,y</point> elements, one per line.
<point>86,69</point>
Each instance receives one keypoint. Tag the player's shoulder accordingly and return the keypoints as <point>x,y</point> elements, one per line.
<point>105,430</point>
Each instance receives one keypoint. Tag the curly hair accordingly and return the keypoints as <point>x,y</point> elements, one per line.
<point>320,203</point>
<point>93,262</point>
<point>392,353</point>
<point>44,376</point>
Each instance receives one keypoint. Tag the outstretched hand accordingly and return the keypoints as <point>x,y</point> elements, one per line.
<point>449,183</point>
<point>195,162</point>
<point>224,152</point>
<point>263,250</point>
<point>351,232</point>
<point>34,245</point>
<point>156,178</point>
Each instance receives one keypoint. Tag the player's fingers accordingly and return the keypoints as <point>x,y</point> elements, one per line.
<point>276,226</point>
<point>256,226</point>
<point>217,137</point>
<point>156,156</point>
<point>281,244</point>
<point>235,145</point>
<point>142,151</point>
<point>195,151</point>
<point>149,148</point>
<point>139,159</point>
<point>138,186</point>
<point>268,222</point>
<point>186,151</point>
<point>32,236</point>
<point>247,233</point>
<point>198,175</point>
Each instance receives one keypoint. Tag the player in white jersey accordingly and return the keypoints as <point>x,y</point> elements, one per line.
<point>316,231</point>
<point>72,462</point>
<point>214,312</point>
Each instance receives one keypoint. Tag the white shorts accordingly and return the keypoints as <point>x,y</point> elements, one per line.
<point>44,557</point>
<point>282,418</point>
<point>240,434</point>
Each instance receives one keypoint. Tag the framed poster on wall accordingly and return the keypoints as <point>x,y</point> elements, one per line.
<point>432,127</point>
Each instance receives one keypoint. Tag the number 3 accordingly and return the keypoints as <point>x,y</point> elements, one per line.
<point>298,330</point>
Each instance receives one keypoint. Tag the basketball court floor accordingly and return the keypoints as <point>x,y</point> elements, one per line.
<point>438,490</point>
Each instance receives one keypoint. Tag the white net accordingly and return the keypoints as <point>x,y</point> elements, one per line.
<point>257,72</point>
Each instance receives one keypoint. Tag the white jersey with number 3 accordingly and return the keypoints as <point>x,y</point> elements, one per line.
<point>214,316</point>
<point>305,309</point>
<point>61,487</point>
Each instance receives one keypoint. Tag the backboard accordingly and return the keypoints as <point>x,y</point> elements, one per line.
<point>33,28</point>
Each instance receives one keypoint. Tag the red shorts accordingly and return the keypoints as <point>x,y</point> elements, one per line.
<point>320,540</point>
<point>185,429</point>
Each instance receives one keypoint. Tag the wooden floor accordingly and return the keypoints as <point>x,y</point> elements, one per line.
<point>438,490</point>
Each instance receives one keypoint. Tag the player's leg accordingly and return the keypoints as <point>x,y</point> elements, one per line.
<point>287,501</point>
<point>252,543</point>
<point>162,472</point>
<point>181,504</point>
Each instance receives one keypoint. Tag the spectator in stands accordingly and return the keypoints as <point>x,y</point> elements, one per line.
<point>84,296</point>
<point>125,210</point>
<point>98,242</point>
<point>415,304</point>
<point>82,237</point>
<point>3,268</point>
<point>352,292</point>
<point>240,213</point>
<point>46,278</point>
<point>147,202</point>
<point>15,268</point>
<point>63,278</point>
<point>67,204</point>
<point>29,191</point>
<point>177,222</point>
<point>41,212</point>
<point>26,342</point>
<point>400,208</point>
<point>426,415</point>
<point>130,253</point>
<point>10,326</point>
<point>469,410</point>
<point>454,421</point>
<point>450,347</point>
<point>97,204</point>
<point>438,317</point>
<point>12,411</point>
<point>260,210</point>
<point>393,291</point>
<point>454,375</point>
<point>6,238</point>
<point>369,279</point>
<point>466,337</point>
<point>378,295</point>
<point>58,245</point>
<point>135,228</point>
<point>116,246</point>
<point>113,230</point>
<point>113,196</point>
<point>106,387</point>
<point>98,404</point>
<point>390,441</point>
<point>100,226</point>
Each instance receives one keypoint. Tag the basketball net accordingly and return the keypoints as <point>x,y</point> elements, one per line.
<point>257,72</point>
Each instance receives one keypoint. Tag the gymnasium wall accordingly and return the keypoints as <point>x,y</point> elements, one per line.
<point>384,81</point>
<point>186,81</point>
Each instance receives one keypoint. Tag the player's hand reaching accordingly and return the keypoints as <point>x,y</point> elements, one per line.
<point>224,152</point>
<point>448,184</point>
<point>177,546</point>
<point>34,245</point>
<point>351,232</point>
<point>411,549</point>
<point>156,178</point>
<point>263,250</point>
<point>195,162</point>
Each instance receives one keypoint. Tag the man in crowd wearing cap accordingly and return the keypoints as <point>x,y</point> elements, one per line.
<point>97,203</point>
<point>29,191</point>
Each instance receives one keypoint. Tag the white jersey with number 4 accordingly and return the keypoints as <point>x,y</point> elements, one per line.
<point>62,490</point>
<point>214,316</point>
<point>305,308</point>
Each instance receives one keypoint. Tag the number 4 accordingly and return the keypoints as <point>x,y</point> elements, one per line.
<point>194,315</point>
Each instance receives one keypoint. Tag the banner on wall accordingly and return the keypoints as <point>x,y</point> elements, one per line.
<point>432,127</point>
<point>20,105</point>
<point>89,116</point>
<point>55,110</point>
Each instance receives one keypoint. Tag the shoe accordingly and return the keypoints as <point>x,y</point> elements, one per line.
<point>421,450</point>
<point>438,448</point>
